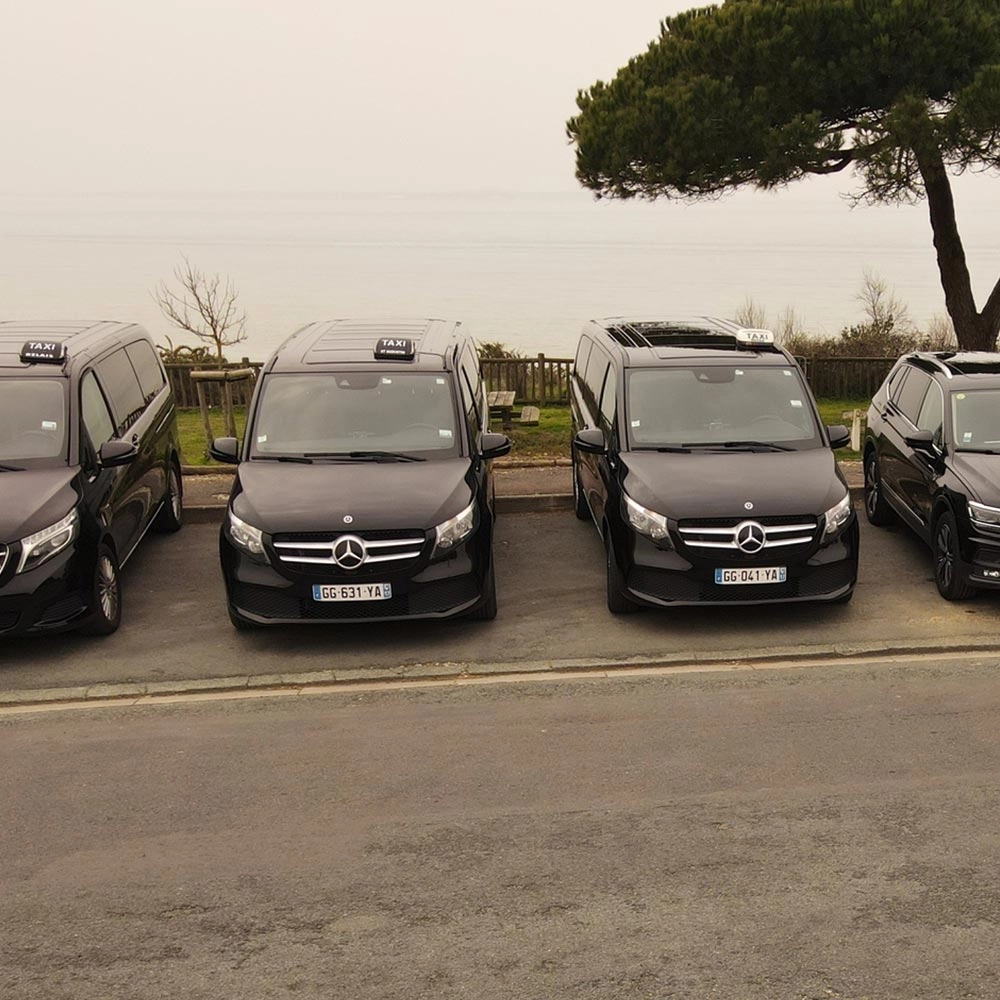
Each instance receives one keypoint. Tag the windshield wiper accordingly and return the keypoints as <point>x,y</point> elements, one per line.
<point>367,456</point>
<point>741,445</point>
<point>303,459</point>
<point>11,468</point>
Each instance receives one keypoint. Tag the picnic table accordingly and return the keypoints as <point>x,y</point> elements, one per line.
<point>501,404</point>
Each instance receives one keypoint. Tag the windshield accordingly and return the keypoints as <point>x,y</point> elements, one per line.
<point>975,417</point>
<point>361,415</point>
<point>720,405</point>
<point>32,422</point>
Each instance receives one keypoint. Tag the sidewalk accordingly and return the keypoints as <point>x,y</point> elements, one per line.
<point>520,486</point>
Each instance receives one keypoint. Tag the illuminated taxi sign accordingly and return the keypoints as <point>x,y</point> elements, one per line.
<point>394,349</point>
<point>755,338</point>
<point>50,352</point>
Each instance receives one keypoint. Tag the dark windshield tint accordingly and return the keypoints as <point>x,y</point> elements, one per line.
<point>343,412</point>
<point>718,404</point>
<point>976,419</point>
<point>33,421</point>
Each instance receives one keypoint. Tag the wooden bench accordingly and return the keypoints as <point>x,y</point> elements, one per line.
<point>501,404</point>
<point>529,416</point>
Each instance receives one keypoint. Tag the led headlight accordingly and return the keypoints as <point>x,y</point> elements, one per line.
<point>449,533</point>
<point>646,522</point>
<point>836,517</point>
<point>987,517</point>
<point>44,544</point>
<point>245,536</point>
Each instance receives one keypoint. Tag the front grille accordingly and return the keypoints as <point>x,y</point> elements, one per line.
<point>427,599</point>
<point>316,549</point>
<point>720,534</point>
<point>62,610</point>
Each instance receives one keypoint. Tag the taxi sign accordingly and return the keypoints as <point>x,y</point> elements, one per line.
<point>394,349</point>
<point>755,338</point>
<point>52,352</point>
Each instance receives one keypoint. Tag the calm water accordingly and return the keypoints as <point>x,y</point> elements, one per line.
<point>523,269</point>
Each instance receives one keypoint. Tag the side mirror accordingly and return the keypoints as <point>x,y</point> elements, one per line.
<point>226,450</point>
<point>116,453</point>
<point>922,441</point>
<point>494,445</point>
<point>590,441</point>
<point>840,436</point>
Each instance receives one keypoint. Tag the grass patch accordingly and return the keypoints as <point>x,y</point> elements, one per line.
<point>194,450</point>
<point>550,439</point>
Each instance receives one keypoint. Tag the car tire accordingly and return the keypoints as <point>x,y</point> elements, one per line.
<point>618,602</point>
<point>877,510</point>
<point>579,500</point>
<point>486,610</point>
<point>106,594</point>
<point>170,516</point>
<point>947,560</point>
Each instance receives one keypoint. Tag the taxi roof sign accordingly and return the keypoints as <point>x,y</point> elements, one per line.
<point>749,337</point>
<point>50,352</point>
<point>394,349</point>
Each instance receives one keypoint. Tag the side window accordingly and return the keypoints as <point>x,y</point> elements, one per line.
<point>119,381</point>
<point>597,367</point>
<point>94,412</point>
<point>469,401</point>
<point>582,356</point>
<point>932,411</point>
<point>472,383</point>
<point>608,399</point>
<point>147,368</point>
<point>911,394</point>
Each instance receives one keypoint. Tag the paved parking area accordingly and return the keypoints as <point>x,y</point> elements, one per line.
<point>552,613</point>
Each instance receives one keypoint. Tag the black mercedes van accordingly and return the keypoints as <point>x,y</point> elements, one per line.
<point>89,460</point>
<point>363,489</point>
<point>700,455</point>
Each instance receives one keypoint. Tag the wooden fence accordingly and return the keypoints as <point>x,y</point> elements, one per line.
<point>544,381</point>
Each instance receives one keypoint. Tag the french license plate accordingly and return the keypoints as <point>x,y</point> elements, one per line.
<point>752,574</point>
<point>352,591</point>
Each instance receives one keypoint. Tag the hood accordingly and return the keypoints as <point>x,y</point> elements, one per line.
<point>33,499</point>
<point>722,485</point>
<point>282,496</point>
<point>981,475</point>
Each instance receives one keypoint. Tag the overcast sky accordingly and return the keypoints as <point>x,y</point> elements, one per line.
<point>303,95</point>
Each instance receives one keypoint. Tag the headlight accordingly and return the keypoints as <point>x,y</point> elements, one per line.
<point>837,516</point>
<point>44,544</point>
<point>988,517</point>
<point>646,522</point>
<point>449,533</point>
<point>246,536</point>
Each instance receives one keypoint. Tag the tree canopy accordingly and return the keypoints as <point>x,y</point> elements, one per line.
<point>764,92</point>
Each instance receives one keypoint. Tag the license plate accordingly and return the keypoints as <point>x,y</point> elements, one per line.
<point>752,574</point>
<point>352,591</point>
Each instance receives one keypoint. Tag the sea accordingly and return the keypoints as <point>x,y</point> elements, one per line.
<point>523,269</point>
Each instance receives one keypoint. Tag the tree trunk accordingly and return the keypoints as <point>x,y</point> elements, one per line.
<point>976,331</point>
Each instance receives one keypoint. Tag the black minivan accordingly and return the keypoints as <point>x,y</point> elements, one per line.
<point>701,458</point>
<point>89,460</point>
<point>363,489</point>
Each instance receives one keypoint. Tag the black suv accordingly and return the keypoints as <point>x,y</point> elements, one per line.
<point>89,459</point>
<point>700,455</point>
<point>932,458</point>
<point>364,488</point>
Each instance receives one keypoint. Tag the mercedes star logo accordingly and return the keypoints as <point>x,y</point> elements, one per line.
<point>750,537</point>
<point>349,552</point>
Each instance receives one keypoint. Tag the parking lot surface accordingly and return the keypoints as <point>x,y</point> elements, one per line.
<point>550,573</point>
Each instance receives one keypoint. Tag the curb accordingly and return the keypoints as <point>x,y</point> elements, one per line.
<point>458,672</point>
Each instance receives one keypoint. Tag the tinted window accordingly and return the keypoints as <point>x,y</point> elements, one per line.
<point>473,384</point>
<point>97,420</point>
<point>582,356</point>
<point>327,414</point>
<point>32,420</point>
<point>597,365</point>
<point>147,367</point>
<point>911,394</point>
<point>608,397</point>
<point>932,411</point>
<point>119,381</point>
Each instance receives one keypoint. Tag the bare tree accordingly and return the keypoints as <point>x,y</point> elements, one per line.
<point>205,306</point>
<point>751,315</point>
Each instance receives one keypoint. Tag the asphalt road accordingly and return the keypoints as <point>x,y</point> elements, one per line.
<point>552,614</point>
<point>775,835</point>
